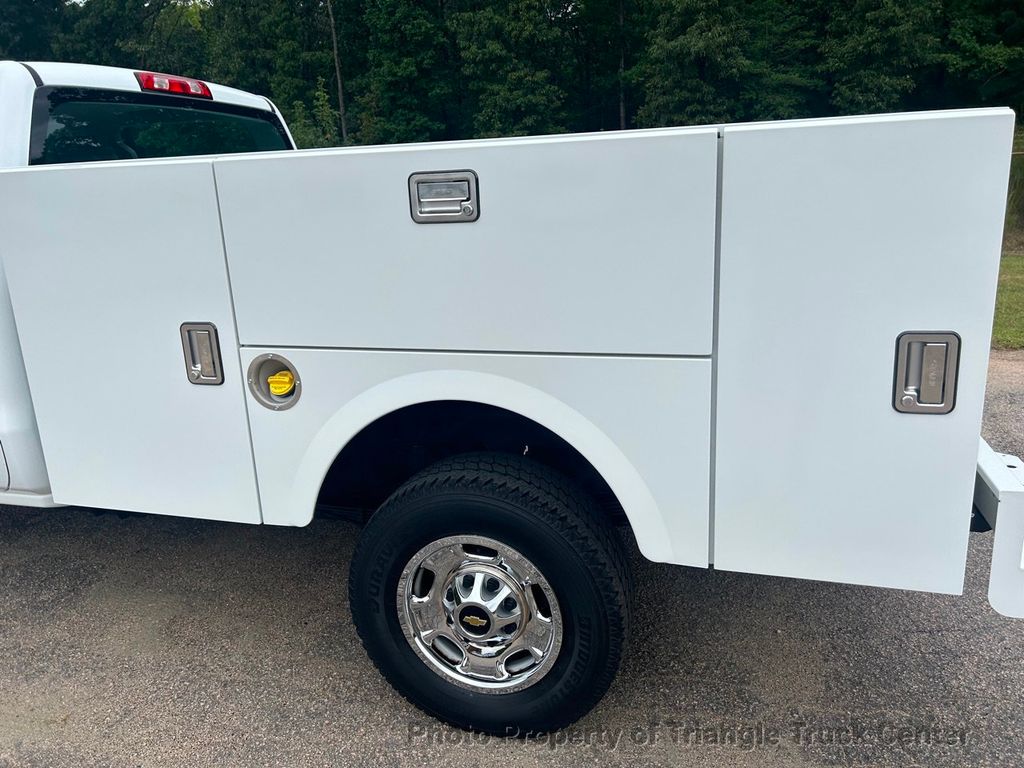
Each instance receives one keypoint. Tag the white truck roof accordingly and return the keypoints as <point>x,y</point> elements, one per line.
<point>115,78</point>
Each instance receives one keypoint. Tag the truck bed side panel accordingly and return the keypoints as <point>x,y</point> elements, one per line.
<point>642,422</point>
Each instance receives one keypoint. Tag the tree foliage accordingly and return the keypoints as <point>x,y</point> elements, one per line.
<point>511,62</point>
<point>419,70</point>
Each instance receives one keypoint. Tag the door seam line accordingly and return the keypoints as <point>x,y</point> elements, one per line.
<point>238,346</point>
<point>712,441</point>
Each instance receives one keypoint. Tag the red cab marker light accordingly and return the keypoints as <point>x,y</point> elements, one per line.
<point>181,86</point>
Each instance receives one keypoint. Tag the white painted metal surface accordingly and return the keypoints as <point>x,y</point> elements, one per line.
<point>28,499</point>
<point>597,243</point>
<point>999,496</point>
<point>23,467</point>
<point>16,89</point>
<point>837,236</point>
<point>642,422</point>
<point>99,297</point>
<point>23,455</point>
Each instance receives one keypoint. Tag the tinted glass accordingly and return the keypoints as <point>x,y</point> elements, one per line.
<point>83,125</point>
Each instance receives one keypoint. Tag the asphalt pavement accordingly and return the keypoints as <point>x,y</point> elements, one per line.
<point>132,640</point>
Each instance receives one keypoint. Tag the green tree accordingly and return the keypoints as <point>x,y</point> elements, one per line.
<point>161,34</point>
<point>877,51</point>
<point>412,70</point>
<point>695,63</point>
<point>605,39</point>
<point>411,89</point>
<point>28,28</point>
<point>983,55</point>
<point>275,47</point>
<point>512,52</point>
<point>317,127</point>
<point>784,77</point>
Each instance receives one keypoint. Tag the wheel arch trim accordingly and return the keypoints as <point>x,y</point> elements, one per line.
<point>590,441</point>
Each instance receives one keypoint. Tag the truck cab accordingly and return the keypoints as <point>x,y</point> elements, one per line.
<point>54,113</point>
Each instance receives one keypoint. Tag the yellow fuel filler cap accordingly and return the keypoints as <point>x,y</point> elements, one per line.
<point>281,383</point>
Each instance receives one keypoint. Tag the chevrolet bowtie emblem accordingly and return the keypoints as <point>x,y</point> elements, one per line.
<point>474,621</point>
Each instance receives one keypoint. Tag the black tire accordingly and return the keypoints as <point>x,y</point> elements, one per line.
<point>550,521</point>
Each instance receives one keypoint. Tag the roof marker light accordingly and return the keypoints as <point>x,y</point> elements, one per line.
<point>181,86</point>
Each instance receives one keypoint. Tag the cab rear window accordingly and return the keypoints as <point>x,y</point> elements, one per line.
<point>77,125</point>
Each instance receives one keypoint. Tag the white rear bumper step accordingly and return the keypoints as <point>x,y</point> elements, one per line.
<point>999,495</point>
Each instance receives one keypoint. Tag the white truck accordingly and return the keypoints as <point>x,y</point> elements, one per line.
<point>758,347</point>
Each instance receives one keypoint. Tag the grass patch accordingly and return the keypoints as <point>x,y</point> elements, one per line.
<point>1008,331</point>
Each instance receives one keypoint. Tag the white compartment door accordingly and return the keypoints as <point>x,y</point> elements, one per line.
<point>105,263</point>
<point>837,237</point>
<point>601,243</point>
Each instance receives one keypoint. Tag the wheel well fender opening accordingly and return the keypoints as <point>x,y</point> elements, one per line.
<point>396,428</point>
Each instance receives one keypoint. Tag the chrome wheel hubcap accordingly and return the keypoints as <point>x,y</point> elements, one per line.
<point>479,614</point>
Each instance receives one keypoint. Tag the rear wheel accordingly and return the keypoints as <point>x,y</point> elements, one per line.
<point>491,594</point>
